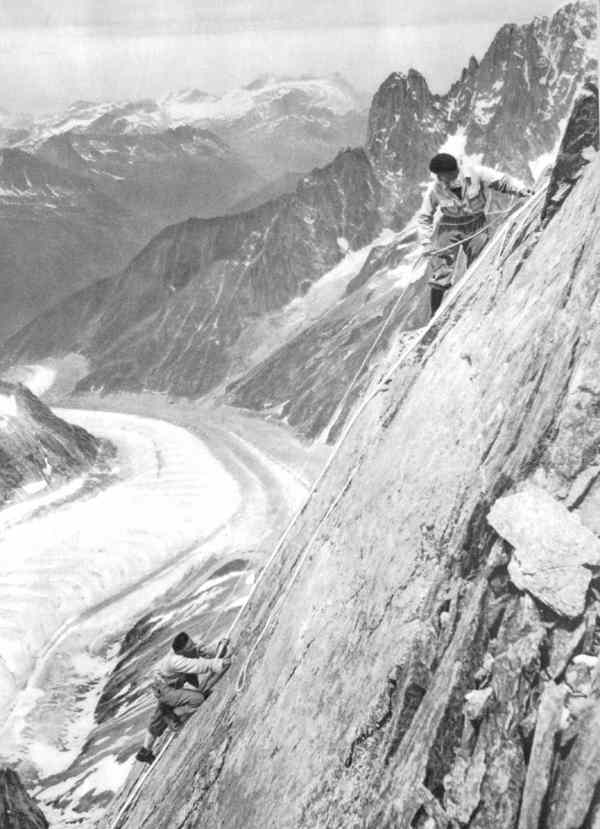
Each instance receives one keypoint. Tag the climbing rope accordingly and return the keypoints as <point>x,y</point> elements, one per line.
<point>454,294</point>
<point>450,302</point>
<point>481,230</point>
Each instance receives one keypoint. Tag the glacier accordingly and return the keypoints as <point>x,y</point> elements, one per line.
<point>63,557</point>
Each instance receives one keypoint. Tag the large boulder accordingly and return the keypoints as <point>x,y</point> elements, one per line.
<point>553,550</point>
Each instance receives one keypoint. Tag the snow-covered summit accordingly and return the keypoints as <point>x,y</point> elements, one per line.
<point>263,95</point>
<point>265,98</point>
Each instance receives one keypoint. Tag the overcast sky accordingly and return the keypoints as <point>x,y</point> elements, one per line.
<point>55,51</point>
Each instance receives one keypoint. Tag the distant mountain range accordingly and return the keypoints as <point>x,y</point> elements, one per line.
<point>223,303</point>
<point>150,163</point>
<point>274,124</point>
<point>264,100</point>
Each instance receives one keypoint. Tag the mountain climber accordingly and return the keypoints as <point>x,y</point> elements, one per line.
<point>185,664</point>
<point>460,193</point>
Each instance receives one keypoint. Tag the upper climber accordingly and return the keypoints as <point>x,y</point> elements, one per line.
<point>459,192</point>
<point>185,664</point>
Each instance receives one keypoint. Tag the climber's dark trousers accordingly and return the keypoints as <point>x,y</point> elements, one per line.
<point>442,265</point>
<point>435,298</point>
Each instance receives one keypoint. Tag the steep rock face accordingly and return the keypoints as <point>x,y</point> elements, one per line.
<point>169,320</point>
<point>36,447</point>
<point>407,124</point>
<point>17,809</point>
<point>58,233</point>
<point>399,675</point>
<point>508,108</point>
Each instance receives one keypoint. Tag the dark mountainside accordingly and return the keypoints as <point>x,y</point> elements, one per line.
<point>38,448</point>
<point>17,809</point>
<point>430,634</point>
<point>58,232</point>
<point>278,187</point>
<point>189,315</point>
<point>162,177</point>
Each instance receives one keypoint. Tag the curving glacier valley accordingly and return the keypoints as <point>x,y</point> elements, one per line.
<point>81,564</point>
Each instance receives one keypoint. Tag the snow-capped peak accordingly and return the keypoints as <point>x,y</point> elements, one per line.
<point>267,96</point>
<point>265,92</point>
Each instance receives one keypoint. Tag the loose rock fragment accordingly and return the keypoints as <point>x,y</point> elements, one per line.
<point>552,549</point>
<point>476,703</point>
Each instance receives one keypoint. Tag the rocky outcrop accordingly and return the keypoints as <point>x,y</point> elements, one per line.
<point>169,321</point>
<point>37,448</point>
<point>17,809</point>
<point>577,148</point>
<point>396,676</point>
<point>407,125</point>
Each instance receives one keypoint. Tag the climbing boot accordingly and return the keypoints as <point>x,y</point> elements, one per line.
<point>144,755</point>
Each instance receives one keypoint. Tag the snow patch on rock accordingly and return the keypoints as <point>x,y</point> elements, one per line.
<point>8,406</point>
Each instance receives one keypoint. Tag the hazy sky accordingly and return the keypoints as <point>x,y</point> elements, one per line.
<point>55,51</point>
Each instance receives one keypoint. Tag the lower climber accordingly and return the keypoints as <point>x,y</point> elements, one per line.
<point>181,682</point>
<point>459,196</point>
